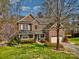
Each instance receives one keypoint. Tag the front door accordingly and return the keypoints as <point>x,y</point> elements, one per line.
<point>36,36</point>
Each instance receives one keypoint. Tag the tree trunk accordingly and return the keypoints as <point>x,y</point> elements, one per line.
<point>58,29</point>
<point>58,25</point>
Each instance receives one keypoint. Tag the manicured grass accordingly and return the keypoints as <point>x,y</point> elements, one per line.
<point>32,51</point>
<point>74,40</point>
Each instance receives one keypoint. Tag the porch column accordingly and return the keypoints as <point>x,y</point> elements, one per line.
<point>33,36</point>
<point>39,36</point>
<point>19,36</point>
<point>44,36</point>
<point>27,36</point>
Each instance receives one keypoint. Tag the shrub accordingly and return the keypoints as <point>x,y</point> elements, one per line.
<point>14,41</point>
<point>42,41</point>
<point>48,44</point>
<point>27,41</point>
<point>65,39</point>
<point>47,38</point>
<point>75,34</point>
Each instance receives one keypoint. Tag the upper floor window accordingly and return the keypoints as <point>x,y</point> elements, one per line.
<point>24,27</point>
<point>36,27</point>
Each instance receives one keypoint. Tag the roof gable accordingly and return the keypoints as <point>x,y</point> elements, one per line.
<point>55,25</point>
<point>35,21</point>
<point>27,19</point>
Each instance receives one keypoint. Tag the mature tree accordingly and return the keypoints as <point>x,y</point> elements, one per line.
<point>60,10</point>
<point>5,11</point>
<point>4,5</point>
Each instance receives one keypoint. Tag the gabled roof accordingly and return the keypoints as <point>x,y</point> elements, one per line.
<point>55,25</point>
<point>28,18</point>
<point>34,21</point>
<point>44,21</point>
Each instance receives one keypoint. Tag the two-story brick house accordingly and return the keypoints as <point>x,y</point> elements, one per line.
<point>36,28</point>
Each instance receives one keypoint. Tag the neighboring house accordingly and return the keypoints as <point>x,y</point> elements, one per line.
<point>72,24</point>
<point>76,26</point>
<point>37,28</point>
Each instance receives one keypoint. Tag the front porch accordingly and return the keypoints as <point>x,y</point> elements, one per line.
<point>32,35</point>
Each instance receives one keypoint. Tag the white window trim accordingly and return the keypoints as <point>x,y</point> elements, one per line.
<point>25,27</point>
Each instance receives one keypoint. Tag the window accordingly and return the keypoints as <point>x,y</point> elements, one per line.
<point>42,35</point>
<point>35,26</point>
<point>24,27</point>
<point>24,37</point>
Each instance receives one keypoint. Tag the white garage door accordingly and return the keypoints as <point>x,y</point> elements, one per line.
<point>54,39</point>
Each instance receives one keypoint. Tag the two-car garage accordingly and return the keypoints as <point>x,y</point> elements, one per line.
<point>53,34</point>
<point>54,39</point>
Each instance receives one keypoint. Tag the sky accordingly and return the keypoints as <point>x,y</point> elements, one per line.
<point>26,7</point>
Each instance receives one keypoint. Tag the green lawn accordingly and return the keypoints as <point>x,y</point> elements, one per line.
<point>74,40</point>
<point>32,51</point>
